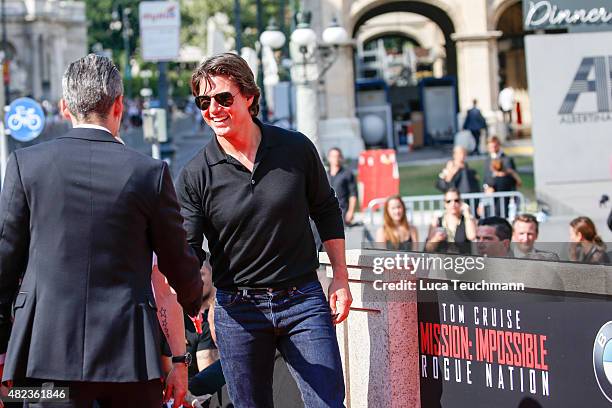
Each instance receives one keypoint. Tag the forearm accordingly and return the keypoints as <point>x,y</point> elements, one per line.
<point>470,228</point>
<point>206,358</point>
<point>169,313</point>
<point>352,204</point>
<point>337,258</point>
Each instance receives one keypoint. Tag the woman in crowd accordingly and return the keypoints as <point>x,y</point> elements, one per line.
<point>586,246</point>
<point>396,232</point>
<point>455,229</point>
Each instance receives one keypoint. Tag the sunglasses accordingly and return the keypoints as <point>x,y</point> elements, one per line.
<point>225,99</point>
<point>452,201</point>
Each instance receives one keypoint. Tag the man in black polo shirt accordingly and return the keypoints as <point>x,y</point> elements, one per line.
<point>343,183</point>
<point>251,191</point>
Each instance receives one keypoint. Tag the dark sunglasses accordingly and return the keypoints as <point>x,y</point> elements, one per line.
<point>225,99</point>
<point>453,201</point>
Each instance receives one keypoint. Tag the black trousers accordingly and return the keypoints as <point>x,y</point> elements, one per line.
<point>106,395</point>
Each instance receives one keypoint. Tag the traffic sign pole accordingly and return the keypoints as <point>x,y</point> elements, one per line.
<point>156,151</point>
<point>3,136</point>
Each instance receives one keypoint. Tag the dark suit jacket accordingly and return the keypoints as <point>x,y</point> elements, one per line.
<point>474,120</point>
<point>80,217</point>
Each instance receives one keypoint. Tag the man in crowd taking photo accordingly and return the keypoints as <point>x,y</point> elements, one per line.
<point>251,191</point>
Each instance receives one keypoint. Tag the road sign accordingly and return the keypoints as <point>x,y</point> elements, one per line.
<point>160,23</point>
<point>25,119</point>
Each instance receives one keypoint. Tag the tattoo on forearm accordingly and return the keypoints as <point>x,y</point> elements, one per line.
<point>163,317</point>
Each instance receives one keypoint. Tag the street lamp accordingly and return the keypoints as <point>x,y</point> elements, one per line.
<point>272,37</point>
<point>313,52</point>
<point>309,54</point>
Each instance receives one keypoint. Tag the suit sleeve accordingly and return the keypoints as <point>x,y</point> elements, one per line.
<point>175,258</point>
<point>14,243</point>
<point>322,202</point>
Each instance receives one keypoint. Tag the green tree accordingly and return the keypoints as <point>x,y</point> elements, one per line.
<point>194,14</point>
<point>99,14</point>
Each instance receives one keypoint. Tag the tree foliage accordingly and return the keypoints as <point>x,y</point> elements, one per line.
<point>194,14</point>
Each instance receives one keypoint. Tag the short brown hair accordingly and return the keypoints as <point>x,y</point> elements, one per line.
<point>529,219</point>
<point>233,67</point>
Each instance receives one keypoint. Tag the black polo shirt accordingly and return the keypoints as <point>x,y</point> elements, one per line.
<point>343,183</point>
<point>257,223</point>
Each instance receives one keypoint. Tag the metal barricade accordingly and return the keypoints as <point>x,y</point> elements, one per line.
<point>421,210</point>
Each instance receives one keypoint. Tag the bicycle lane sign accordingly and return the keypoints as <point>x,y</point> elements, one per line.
<point>25,119</point>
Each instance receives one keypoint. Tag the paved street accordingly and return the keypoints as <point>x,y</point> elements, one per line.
<point>187,139</point>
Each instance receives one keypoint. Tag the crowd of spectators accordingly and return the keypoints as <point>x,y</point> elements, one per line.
<point>493,228</point>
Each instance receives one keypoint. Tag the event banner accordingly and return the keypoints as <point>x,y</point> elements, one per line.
<point>514,349</point>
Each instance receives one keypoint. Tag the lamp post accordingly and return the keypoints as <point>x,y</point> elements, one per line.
<point>274,38</point>
<point>238,26</point>
<point>127,33</point>
<point>260,74</point>
<point>308,55</point>
<point>6,56</point>
<point>123,25</point>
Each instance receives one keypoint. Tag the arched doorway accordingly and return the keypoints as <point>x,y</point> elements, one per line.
<point>400,47</point>
<point>431,12</point>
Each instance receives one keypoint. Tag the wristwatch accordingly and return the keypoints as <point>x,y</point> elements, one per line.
<point>185,359</point>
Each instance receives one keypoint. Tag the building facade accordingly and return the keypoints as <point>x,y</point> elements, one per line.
<point>467,34</point>
<point>43,37</point>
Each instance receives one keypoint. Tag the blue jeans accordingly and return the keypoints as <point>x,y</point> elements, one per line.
<point>298,323</point>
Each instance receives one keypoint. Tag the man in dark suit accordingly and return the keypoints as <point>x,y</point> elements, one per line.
<point>475,123</point>
<point>81,216</point>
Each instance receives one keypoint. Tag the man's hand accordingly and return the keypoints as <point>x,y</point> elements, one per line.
<point>195,402</point>
<point>348,218</point>
<point>439,235</point>
<point>340,299</point>
<point>176,384</point>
